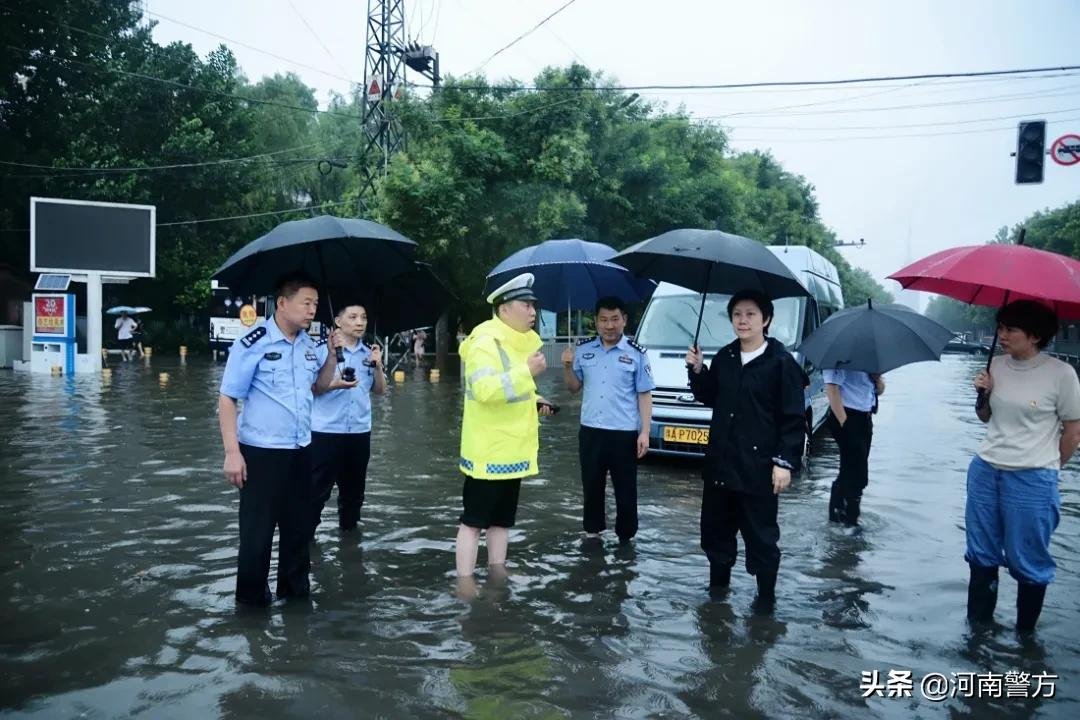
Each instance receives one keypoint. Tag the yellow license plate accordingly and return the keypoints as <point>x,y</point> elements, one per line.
<point>692,435</point>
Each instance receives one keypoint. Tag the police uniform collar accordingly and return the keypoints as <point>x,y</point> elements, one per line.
<point>275,333</point>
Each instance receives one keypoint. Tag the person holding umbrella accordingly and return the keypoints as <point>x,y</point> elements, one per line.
<point>499,428</point>
<point>341,421</point>
<point>756,439</point>
<point>854,348</point>
<point>125,331</point>
<point>1033,428</point>
<point>273,369</point>
<point>615,415</point>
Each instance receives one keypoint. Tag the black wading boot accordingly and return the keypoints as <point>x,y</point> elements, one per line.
<point>1029,602</point>
<point>982,594</point>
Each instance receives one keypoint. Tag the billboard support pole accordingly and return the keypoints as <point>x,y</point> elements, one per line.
<point>93,318</point>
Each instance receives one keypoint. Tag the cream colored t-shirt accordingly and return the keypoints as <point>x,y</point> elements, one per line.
<point>1031,399</point>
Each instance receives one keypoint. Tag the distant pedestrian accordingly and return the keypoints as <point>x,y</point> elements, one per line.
<point>419,337</point>
<point>125,329</point>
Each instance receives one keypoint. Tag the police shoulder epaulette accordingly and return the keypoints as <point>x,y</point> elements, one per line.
<point>320,342</point>
<point>252,337</point>
<point>583,341</point>
<point>639,348</point>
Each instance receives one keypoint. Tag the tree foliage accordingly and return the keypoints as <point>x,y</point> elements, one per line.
<point>485,170</point>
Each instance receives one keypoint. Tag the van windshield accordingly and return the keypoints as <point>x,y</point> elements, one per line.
<point>670,322</point>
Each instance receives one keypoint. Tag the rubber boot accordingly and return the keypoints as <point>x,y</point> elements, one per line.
<point>766,592</point>
<point>1029,603</point>
<point>836,503</point>
<point>982,594</point>
<point>719,577</point>
<point>852,508</point>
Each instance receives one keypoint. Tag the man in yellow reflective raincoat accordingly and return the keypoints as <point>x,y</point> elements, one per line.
<point>500,428</point>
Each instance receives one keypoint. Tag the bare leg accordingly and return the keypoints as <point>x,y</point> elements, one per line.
<point>468,540</point>
<point>497,540</point>
<point>466,587</point>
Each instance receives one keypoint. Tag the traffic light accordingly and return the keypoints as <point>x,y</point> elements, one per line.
<point>1030,152</point>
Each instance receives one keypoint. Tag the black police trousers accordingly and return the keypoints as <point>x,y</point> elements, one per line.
<point>340,458</point>
<point>853,439</point>
<point>601,452</point>
<point>275,494</point>
<point>727,512</point>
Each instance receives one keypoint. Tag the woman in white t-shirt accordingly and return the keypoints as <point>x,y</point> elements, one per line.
<point>1033,428</point>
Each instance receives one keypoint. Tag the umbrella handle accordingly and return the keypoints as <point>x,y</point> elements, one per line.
<point>981,396</point>
<point>701,312</point>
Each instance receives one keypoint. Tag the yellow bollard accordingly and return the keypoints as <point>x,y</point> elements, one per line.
<point>148,351</point>
<point>435,375</point>
<point>183,351</point>
<point>163,378</point>
<point>399,376</point>
<point>106,373</point>
<point>56,370</point>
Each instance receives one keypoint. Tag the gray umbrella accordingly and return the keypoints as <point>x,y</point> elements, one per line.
<point>710,261</point>
<point>343,253</point>
<point>875,339</point>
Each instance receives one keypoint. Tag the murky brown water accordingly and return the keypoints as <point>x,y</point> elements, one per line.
<point>117,561</point>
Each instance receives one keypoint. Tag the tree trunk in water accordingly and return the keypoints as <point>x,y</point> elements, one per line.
<point>442,342</point>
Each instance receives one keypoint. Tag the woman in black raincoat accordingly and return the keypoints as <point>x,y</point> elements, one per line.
<point>756,440</point>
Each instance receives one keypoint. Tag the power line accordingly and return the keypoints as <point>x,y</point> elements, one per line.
<point>224,219</point>
<point>1034,113</point>
<point>238,43</point>
<point>254,215</point>
<point>1053,92</point>
<point>853,138</point>
<point>37,55</point>
<point>522,36</point>
<point>145,168</point>
<point>769,83</point>
<point>317,38</point>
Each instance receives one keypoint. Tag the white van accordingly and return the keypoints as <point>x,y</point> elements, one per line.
<point>680,425</point>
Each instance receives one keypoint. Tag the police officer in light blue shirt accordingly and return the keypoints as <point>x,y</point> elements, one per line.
<point>341,422</point>
<point>852,402</point>
<point>273,370</point>
<point>615,414</point>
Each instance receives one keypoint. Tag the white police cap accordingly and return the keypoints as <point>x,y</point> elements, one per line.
<point>519,288</point>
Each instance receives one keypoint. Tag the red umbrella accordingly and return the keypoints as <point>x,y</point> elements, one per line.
<point>996,274</point>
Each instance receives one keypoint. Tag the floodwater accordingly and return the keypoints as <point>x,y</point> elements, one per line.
<point>117,561</point>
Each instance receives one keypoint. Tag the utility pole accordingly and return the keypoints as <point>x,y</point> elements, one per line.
<point>387,55</point>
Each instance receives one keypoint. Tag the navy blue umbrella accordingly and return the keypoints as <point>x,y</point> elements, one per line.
<point>571,274</point>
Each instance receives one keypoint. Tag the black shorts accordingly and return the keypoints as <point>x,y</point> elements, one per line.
<point>489,502</point>
<point>128,344</point>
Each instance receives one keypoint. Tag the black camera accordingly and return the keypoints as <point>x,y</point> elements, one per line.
<point>348,374</point>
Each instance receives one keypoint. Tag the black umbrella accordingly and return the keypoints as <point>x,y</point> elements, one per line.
<point>411,300</point>
<point>875,339</point>
<point>343,253</point>
<point>710,261</point>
